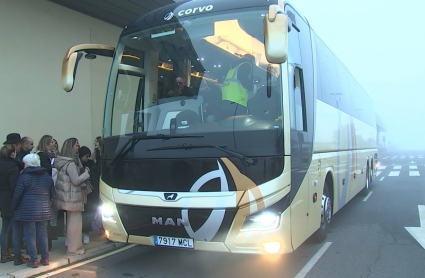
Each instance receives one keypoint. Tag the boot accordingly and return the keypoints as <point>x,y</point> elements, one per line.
<point>20,259</point>
<point>6,257</point>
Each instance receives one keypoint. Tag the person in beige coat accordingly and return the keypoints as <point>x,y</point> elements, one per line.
<point>70,191</point>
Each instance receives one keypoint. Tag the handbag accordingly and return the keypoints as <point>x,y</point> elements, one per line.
<point>85,190</point>
<point>89,187</point>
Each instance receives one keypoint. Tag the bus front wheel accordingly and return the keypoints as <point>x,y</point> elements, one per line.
<point>326,214</point>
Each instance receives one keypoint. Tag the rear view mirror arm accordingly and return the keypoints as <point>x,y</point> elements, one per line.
<point>73,56</point>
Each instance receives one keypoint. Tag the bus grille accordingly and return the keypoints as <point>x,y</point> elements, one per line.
<point>150,221</point>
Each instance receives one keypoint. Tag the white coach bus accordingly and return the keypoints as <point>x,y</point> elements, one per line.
<point>228,126</point>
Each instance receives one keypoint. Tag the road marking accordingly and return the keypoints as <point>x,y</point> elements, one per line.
<point>397,168</point>
<point>420,156</point>
<point>394,173</point>
<point>367,196</point>
<point>377,173</point>
<point>413,167</point>
<point>414,174</point>
<point>418,233</point>
<point>403,157</point>
<point>306,269</point>
<point>382,167</point>
<point>382,179</point>
<point>87,262</point>
<point>411,157</point>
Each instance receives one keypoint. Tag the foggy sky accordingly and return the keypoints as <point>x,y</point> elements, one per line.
<point>382,44</point>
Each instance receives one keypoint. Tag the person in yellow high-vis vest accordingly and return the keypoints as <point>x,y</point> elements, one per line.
<point>237,85</point>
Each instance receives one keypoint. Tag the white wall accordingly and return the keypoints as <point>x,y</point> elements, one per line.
<point>34,37</point>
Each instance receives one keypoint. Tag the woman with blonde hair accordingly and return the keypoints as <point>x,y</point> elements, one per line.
<point>70,190</point>
<point>44,150</point>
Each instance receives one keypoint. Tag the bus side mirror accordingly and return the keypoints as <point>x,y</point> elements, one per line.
<point>73,56</point>
<point>69,70</point>
<point>276,35</point>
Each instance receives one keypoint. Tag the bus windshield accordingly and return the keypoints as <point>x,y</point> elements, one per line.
<point>198,76</point>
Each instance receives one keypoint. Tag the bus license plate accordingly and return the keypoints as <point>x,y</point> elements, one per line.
<point>174,242</point>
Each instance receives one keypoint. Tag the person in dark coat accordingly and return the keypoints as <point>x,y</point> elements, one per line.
<point>32,199</point>
<point>27,146</point>
<point>9,173</point>
<point>95,174</point>
<point>46,153</point>
<point>15,140</point>
<point>180,89</point>
<point>92,201</point>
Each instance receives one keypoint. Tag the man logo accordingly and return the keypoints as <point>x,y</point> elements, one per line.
<point>170,196</point>
<point>169,16</point>
<point>168,221</point>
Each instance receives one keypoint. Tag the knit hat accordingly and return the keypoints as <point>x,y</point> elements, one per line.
<point>83,151</point>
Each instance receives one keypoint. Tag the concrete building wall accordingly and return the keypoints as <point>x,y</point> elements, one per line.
<point>35,36</point>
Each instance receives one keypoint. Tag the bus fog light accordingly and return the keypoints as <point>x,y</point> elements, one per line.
<point>261,222</point>
<point>272,247</point>
<point>107,234</point>
<point>107,213</point>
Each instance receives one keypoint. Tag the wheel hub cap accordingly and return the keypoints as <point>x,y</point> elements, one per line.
<point>326,210</point>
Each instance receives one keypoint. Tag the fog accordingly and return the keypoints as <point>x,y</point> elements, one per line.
<point>382,44</point>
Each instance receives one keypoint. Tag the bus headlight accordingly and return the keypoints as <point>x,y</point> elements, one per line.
<point>261,222</point>
<point>272,247</point>
<point>107,213</point>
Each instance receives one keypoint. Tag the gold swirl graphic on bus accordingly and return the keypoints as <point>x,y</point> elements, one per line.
<point>243,183</point>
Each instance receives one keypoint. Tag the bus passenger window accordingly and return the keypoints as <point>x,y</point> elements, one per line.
<point>297,102</point>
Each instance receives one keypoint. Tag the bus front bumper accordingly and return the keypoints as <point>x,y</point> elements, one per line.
<point>276,241</point>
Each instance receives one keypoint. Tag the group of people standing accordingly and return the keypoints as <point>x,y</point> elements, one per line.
<point>35,190</point>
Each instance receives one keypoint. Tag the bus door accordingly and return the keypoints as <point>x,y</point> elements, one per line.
<point>301,95</point>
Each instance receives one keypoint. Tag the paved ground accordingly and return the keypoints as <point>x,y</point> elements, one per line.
<point>58,258</point>
<point>367,238</point>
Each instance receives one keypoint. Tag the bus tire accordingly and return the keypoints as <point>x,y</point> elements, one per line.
<point>371,174</point>
<point>326,214</point>
<point>366,188</point>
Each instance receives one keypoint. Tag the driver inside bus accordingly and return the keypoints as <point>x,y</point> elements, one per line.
<point>236,87</point>
<point>180,89</point>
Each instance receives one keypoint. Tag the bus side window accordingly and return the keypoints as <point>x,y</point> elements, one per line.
<point>297,102</point>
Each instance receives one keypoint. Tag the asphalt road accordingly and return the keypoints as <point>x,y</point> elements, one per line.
<point>368,239</point>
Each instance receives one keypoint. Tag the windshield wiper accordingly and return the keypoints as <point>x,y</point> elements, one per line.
<point>123,151</point>
<point>242,157</point>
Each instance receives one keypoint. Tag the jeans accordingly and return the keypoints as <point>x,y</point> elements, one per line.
<point>8,223</point>
<point>16,238</point>
<point>31,229</point>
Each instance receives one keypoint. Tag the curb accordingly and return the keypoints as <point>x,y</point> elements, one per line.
<point>25,273</point>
